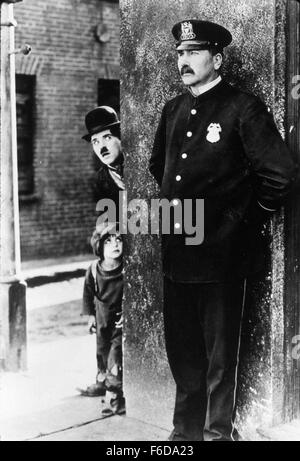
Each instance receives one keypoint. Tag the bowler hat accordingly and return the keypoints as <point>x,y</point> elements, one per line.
<point>100,119</point>
<point>204,34</point>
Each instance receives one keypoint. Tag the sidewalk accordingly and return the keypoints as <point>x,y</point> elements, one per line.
<point>40,272</point>
<point>42,404</point>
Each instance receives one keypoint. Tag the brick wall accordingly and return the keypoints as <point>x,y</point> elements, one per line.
<point>67,61</point>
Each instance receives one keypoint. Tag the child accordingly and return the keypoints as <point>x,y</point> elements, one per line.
<point>102,301</point>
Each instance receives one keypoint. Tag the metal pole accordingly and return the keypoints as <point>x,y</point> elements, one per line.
<point>12,289</point>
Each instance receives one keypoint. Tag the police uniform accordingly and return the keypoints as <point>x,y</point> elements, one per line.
<point>221,146</point>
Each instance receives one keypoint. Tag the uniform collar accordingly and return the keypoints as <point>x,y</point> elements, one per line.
<point>217,89</point>
<point>203,89</point>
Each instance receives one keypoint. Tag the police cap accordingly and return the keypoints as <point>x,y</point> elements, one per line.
<point>194,33</point>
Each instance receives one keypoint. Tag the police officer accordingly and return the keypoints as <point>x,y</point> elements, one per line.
<point>220,144</point>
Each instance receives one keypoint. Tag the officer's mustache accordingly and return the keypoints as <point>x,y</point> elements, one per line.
<point>185,70</point>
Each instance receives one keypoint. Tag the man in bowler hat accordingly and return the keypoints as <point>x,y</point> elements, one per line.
<point>220,144</point>
<point>103,128</point>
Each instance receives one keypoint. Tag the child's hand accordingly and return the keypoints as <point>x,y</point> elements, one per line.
<point>92,324</point>
<point>119,323</point>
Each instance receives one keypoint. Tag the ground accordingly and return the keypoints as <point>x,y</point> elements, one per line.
<point>54,311</point>
<point>43,404</point>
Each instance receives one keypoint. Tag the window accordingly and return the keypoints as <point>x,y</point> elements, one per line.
<point>25,86</point>
<point>109,93</point>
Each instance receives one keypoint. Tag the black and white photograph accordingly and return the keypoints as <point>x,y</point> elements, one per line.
<point>150,223</point>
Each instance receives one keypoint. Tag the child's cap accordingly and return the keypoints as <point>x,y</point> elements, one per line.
<point>106,227</point>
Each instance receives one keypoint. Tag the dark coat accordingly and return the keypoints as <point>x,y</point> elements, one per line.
<point>241,161</point>
<point>105,186</point>
<point>105,294</point>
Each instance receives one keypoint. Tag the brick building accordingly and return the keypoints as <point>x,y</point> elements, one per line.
<point>74,65</point>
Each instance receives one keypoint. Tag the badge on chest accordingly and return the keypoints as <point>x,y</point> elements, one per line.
<point>214,131</point>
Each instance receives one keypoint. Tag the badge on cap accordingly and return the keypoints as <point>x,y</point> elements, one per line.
<point>187,32</point>
<point>214,131</point>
